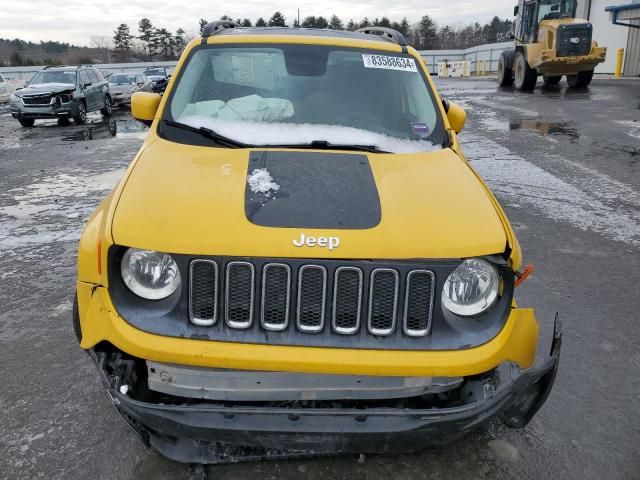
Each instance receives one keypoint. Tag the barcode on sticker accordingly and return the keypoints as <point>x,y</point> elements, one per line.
<point>389,63</point>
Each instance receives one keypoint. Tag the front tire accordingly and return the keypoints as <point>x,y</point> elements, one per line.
<point>505,69</point>
<point>525,76</point>
<point>108,106</point>
<point>27,122</point>
<point>580,80</point>
<point>81,117</point>
<point>552,79</point>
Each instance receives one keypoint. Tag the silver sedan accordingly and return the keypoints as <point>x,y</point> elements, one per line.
<point>123,85</point>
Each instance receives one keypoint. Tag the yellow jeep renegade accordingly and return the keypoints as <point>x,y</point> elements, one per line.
<point>300,260</point>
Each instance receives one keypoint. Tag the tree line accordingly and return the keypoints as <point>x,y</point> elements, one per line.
<point>153,43</point>
<point>148,42</point>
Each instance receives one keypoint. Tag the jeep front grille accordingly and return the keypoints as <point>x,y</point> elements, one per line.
<point>312,298</point>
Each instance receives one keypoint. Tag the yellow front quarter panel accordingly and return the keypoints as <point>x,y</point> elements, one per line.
<point>99,322</point>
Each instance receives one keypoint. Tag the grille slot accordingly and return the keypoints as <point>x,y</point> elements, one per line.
<point>347,300</point>
<point>312,298</point>
<point>418,303</point>
<point>203,298</point>
<point>383,301</point>
<point>239,294</point>
<point>276,292</point>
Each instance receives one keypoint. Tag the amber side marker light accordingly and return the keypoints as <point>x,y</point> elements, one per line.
<point>100,256</point>
<point>524,274</point>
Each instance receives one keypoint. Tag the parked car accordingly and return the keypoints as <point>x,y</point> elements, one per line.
<point>62,93</point>
<point>159,76</point>
<point>123,85</point>
<point>5,90</point>
<point>300,259</point>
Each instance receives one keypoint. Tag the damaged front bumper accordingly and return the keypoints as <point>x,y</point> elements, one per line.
<point>219,432</point>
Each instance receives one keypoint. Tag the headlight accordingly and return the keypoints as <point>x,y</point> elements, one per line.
<point>148,274</point>
<point>14,98</point>
<point>471,288</point>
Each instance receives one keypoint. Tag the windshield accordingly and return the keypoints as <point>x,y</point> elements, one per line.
<point>298,94</point>
<point>155,72</point>
<point>554,9</point>
<point>119,78</point>
<point>54,76</point>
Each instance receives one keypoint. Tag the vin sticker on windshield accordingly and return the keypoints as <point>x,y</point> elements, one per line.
<point>389,63</point>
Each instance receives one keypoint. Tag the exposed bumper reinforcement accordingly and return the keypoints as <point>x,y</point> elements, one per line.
<point>216,433</point>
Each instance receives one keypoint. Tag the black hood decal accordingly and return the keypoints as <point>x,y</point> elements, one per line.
<point>314,190</point>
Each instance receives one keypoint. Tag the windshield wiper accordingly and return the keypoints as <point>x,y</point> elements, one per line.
<point>210,134</point>
<point>324,145</point>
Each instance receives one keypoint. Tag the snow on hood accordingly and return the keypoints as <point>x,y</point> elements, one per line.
<point>261,181</point>
<point>262,133</point>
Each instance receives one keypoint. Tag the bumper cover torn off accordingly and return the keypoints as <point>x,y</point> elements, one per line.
<point>218,433</point>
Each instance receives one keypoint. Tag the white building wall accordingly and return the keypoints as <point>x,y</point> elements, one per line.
<point>604,32</point>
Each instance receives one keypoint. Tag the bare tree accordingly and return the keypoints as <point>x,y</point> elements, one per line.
<point>103,43</point>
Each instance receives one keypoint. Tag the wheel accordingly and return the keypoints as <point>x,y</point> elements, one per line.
<point>108,106</point>
<point>580,80</point>
<point>26,122</point>
<point>505,69</point>
<point>63,121</point>
<point>526,77</point>
<point>552,79</point>
<point>81,118</point>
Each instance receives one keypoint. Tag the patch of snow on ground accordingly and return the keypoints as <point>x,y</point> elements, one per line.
<point>262,133</point>
<point>633,128</point>
<point>260,181</point>
<point>600,205</point>
<point>53,209</point>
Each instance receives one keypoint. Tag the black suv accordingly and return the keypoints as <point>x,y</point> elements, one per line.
<point>62,93</point>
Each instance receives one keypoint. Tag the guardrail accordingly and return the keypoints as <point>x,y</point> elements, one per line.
<point>483,58</point>
<point>25,73</point>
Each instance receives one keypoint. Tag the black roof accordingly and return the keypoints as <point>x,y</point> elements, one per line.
<point>309,32</point>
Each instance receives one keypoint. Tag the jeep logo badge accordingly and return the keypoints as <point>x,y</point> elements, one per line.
<point>575,40</point>
<point>324,242</point>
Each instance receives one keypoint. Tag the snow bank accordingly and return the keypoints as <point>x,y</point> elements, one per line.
<point>261,133</point>
<point>260,181</point>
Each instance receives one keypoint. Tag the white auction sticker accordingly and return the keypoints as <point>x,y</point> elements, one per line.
<point>389,63</point>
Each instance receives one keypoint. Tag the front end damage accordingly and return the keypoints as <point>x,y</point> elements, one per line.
<point>252,416</point>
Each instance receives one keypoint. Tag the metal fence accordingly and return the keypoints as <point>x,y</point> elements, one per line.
<point>25,73</point>
<point>483,58</point>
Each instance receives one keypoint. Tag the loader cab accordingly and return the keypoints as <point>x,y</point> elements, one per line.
<point>531,13</point>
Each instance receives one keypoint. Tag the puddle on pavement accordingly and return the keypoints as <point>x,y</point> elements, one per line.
<point>544,128</point>
<point>115,126</point>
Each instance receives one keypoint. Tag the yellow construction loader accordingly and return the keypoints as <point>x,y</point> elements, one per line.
<point>551,42</point>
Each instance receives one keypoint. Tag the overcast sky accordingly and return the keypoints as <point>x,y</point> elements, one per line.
<point>75,21</point>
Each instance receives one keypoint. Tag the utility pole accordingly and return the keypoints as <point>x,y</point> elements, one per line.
<point>298,18</point>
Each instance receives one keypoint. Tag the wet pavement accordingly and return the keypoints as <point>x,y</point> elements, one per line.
<point>564,164</point>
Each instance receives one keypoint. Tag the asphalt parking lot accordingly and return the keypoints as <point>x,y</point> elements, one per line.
<point>566,167</point>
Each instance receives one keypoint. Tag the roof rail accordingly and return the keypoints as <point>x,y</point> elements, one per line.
<point>390,33</point>
<point>212,28</point>
<point>54,66</point>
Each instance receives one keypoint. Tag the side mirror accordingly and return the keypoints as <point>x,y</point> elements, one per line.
<point>88,84</point>
<point>144,106</point>
<point>516,9</point>
<point>455,114</point>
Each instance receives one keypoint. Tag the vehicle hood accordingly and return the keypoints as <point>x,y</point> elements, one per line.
<point>46,88</point>
<point>196,200</point>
